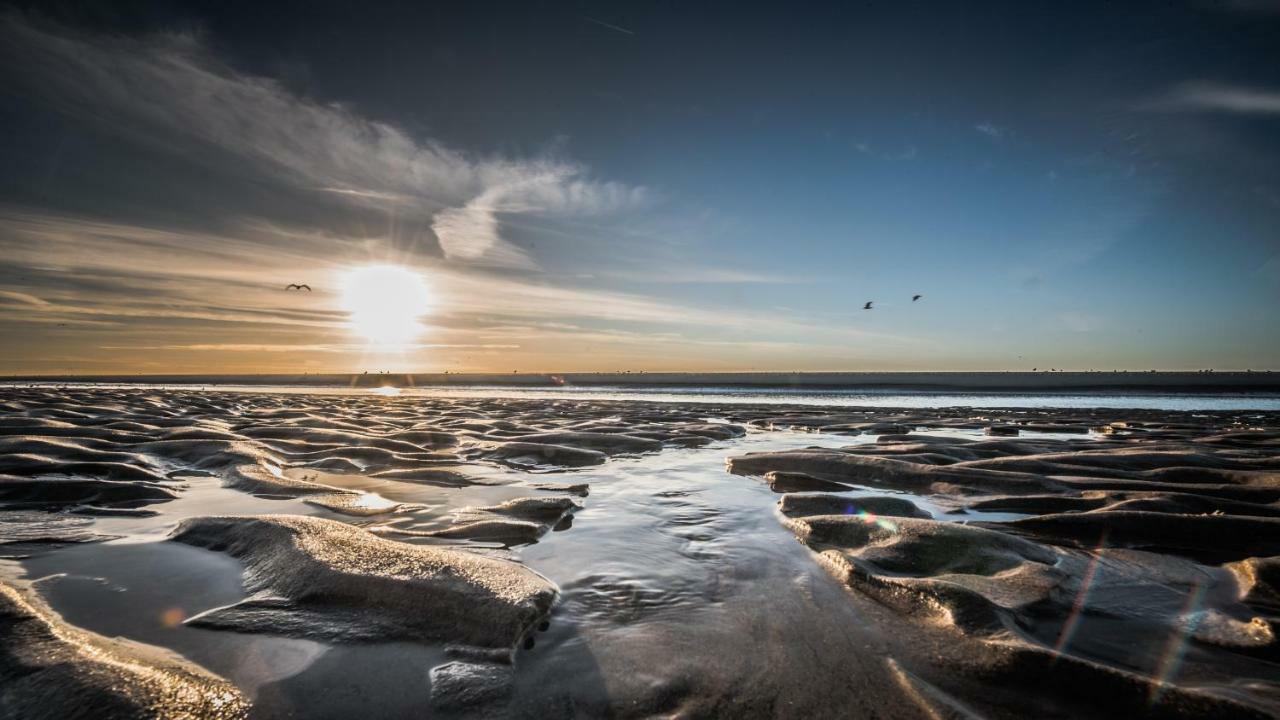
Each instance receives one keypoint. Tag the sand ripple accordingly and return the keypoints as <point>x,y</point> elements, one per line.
<point>1075,562</point>
<point>1121,541</point>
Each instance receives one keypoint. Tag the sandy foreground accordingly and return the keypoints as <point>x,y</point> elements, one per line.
<point>178,553</point>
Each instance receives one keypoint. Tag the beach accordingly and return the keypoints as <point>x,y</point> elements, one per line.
<point>639,360</point>
<point>233,554</point>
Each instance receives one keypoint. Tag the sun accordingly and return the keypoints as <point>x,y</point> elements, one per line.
<point>385,303</point>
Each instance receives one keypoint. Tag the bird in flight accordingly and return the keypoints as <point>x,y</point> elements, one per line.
<point>916,297</point>
<point>867,306</point>
<point>298,286</point>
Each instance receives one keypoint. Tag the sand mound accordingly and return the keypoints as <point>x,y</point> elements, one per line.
<point>1215,537</point>
<point>49,669</point>
<point>1259,579</point>
<point>537,509</point>
<point>541,455</point>
<point>846,467</point>
<point>607,443</point>
<point>1007,596</point>
<point>520,521</point>
<point>324,579</point>
<point>1110,589</point>
<point>60,492</point>
<point>786,482</point>
<point>576,489</point>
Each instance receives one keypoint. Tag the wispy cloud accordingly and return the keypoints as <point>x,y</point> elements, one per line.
<point>472,232</point>
<point>703,276</point>
<point>131,276</point>
<point>610,26</point>
<point>23,298</point>
<point>305,348</point>
<point>1217,97</point>
<point>991,130</point>
<point>126,287</point>
<point>168,93</point>
<point>906,153</point>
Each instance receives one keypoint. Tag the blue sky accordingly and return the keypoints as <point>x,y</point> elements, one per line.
<point>661,186</point>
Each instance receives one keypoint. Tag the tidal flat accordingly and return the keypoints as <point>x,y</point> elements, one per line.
<point>185,553</point>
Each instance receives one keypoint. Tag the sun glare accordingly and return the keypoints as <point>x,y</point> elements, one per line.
<point>385,303</point>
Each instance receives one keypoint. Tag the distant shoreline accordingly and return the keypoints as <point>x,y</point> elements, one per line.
<point>1180,382</point>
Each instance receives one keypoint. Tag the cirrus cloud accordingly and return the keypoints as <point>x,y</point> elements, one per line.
<point>169,94</point>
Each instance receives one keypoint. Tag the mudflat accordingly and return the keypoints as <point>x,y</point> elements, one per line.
<point>223,554</point>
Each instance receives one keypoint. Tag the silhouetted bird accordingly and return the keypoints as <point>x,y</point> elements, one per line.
<point>916,297</point>
<point>867,306</point>
<point>298,286</point>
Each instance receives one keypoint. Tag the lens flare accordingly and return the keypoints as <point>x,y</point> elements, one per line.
<point>173,617</point>
<point>871,518</point>
<point>1175,651</point>
<point>1082,596</point>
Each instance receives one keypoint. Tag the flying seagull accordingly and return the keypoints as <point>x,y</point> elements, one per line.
<point>916,297</point>
<point>867,306</point>
<point>298,286</point>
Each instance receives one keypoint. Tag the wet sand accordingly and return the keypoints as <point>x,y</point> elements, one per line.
<point>1019,381</point>
<point>318,555</point>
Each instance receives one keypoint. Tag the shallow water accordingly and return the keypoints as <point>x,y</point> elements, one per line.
<point>671,564</point>
<point>836,397</point>
<point>873,398</point>
<point>670,552</point>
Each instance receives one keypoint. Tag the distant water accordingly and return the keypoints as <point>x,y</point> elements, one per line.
<point>829,397</point>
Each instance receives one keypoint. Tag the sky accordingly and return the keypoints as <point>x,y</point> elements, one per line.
<point>653,186</point>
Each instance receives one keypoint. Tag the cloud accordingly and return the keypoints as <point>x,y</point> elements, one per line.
<point>1215,97</point>
<point>471,232</point>
<point>132,276</point>
<point>168,94</point>
<point>704,276</point>
<point>995,132</point>
<point>287,348</point>
<point>603,24</point>
<point>907,153</point>
<point>23,298</point>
